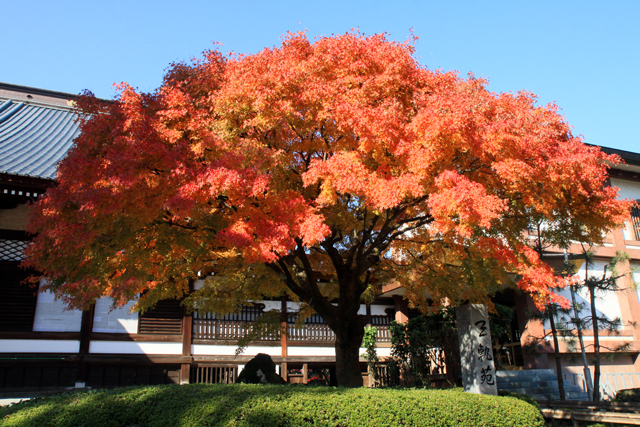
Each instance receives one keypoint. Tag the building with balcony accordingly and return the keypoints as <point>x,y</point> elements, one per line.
<point>45,346</point>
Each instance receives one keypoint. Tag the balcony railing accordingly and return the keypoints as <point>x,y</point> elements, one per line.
<point>207,327</point>
<point>310,332</point>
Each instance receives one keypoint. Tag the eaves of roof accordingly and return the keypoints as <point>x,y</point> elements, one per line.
<point>629,157</point>
<point>34,138</point>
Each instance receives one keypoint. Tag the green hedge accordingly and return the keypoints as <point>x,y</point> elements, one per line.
<point>269,405</point>
<point>628,395</point>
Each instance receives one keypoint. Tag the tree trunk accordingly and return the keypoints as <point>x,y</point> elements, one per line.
<point>557,353</point>
<point>596,345</point>
<point>349,336</point>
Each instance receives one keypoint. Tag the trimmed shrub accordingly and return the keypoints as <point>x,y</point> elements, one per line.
<point>269,405</point>
<point>528,399</point>
<point>628,395</point>
<point>263,363</point>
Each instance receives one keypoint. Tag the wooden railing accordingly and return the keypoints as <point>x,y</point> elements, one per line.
<point>207,327</point>
<point>310,332</point>
<point>602,412</point>
<point>383,334</point>
<point>213,374</point>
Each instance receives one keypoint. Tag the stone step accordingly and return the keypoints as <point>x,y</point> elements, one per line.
<point>534,390</point>
<point>539,377</point>
<point>532,383</point>
<point>554,396</point>
<point>541,384</point>
<point>526,372</point>
<point>574,389</point>
<point>581,395</point>
<point>545,396</point>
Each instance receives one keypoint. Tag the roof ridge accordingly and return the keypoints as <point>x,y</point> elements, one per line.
<point>38,104</point>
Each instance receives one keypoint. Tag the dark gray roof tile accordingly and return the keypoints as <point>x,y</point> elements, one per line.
<point>34,138</point>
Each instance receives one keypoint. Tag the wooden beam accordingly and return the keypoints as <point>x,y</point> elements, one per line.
<point>402,309</point>
<point>187,335</point>
<point>86,327</point>
<point>601,417</point>
<point>283,328</point>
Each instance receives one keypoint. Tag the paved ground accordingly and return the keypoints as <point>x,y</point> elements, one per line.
<point>10,400</point>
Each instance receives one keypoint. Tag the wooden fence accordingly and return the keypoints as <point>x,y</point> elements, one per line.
<point>213,374</point>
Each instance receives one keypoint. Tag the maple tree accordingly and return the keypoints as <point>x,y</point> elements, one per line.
<point>321,170</point>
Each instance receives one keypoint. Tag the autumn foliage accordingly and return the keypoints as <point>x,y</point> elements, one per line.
<point>322,170</point>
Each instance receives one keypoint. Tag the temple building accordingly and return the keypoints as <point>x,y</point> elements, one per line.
<point>44,346</point>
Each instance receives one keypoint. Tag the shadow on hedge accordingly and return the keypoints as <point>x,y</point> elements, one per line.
<point>255,405</point>
<point>172,405</point>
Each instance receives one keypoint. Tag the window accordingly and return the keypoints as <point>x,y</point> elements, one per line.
<point>635,221</point>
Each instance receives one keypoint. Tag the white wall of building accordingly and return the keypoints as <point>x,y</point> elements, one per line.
<point>118,320</point>
<point>607,303</point>
<point>627,189</point>
<point>52,315</point>
<point>230,350</point>
<point>132,347</point>
<point>39,346</point>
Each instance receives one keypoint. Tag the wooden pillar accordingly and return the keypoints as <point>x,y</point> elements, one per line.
<point>187,338</point>
<point>283,371</point>
<point>305,374</point>
<point>86,327</point>
<point>402,309</point>
<point>283,328</point>
<point>531,332</point>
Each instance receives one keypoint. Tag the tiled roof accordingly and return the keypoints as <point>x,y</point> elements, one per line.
<point>34,138</point>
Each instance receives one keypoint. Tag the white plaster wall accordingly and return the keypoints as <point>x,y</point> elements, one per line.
<point>310,351</point>
<point>198,284</point>
<point>118,320</point>
<point>627,189</point>
<point>293,306</point>
<point>380,310</point>
<point>39,346</point>
<point>329,351</point>
<point>230,350</point>
<point>376,310</point>
<point>607,303</point>
<point>271,305</point>
<point>128,347</point>
<point>635,272</point>
<point>381,351</point>
<point>52,315</point>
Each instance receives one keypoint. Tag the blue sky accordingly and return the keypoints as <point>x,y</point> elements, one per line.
<point>581,54</point>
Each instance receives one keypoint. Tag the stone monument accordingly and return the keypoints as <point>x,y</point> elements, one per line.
<point>476,352</point>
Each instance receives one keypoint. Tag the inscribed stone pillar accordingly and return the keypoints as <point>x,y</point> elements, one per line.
<point>476,353</point>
